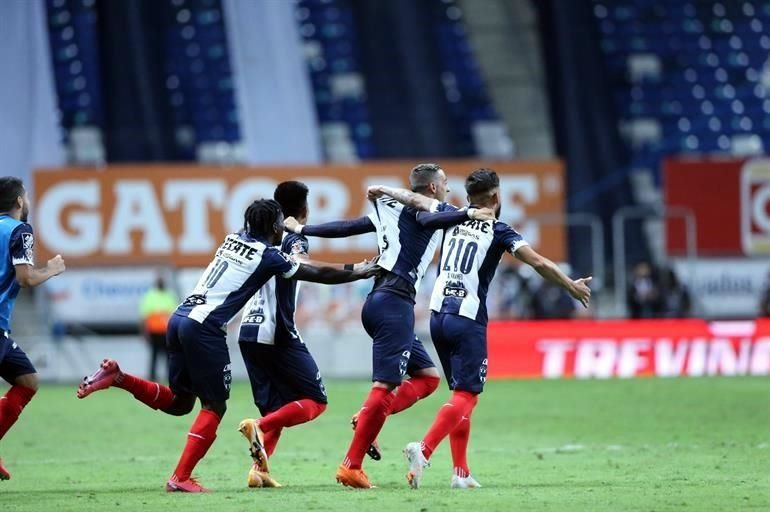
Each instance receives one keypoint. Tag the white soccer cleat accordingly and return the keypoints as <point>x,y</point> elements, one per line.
<point>417,462</point>
<point>468,482</point>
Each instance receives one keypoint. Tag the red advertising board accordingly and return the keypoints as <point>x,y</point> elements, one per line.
<point>730,200</point>
<point>628,348</point>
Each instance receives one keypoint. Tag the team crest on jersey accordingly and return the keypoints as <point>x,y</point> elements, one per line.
<point>404,362</point>
<point>298,247</point>
<point>483,371</point>
<point>227,377</point>
<point>28,240</point>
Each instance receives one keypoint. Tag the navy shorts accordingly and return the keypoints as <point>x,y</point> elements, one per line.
<point>396,351</point>
<point>198,359</point>
<point>461,344</point>
<point>280,374</point>
<point>13,361</point>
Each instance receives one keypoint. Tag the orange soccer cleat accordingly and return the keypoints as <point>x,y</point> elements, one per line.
<point>256,438</point>
<point>355,478</point>
<point>102,378</point>
<point>189,485</point>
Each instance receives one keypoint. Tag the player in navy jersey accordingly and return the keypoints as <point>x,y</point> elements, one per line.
<point>198,359</point>
<point>285,380</point>
<point>406,249</point>
<point>470,253</point>
<point>17,260</point>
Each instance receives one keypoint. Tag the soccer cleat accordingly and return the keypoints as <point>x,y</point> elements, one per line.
<point>355,478</point>
<point>253,434</point>
<point>468,482</point>
<point>189,485</point>
<point>4,473</point>
<point>374,449</point>
<point>102,378</point>
<point>417,462</point>
<point>254,480</point>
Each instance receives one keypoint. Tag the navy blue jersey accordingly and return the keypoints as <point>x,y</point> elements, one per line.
<point>242,265</point>
<point>406,247</point>
<point>17,246</point>
<point>269,315</point>
<point>470,254</point>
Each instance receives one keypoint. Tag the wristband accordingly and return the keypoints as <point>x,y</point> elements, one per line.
<point>349,266</point>
<point>298,229</point>
<point>472,213</point>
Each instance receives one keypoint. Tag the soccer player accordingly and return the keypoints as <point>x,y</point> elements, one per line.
<point>406,249</point>
<point>470,254</point>
<point>17,270</point>
<point>198,359</point>
<point>285,380</point>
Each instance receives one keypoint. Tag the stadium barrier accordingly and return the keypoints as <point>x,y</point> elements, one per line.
<point>640,348</point>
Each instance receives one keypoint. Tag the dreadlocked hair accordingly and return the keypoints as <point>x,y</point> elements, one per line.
<point>261,217</point>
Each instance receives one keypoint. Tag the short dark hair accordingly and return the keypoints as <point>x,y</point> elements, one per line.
<point>423,175</point>
<point>11,188</point>
<point>262,217</point>
<point>292,196</point>
<point>481,182</point>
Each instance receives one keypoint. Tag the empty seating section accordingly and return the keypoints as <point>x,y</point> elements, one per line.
<point>329,33</point>
<point>689,77</point>
<point>199,79</point>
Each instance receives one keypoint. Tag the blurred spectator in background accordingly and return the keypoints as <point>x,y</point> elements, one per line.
<point>511,294</point>
<point>675,301</point>
<point>764,299</point>
<point>643,295</point>
<point>157,304</point>
<point>551,302</point>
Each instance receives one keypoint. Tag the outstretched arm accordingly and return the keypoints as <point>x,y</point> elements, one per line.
<point>577,288</point>
<point>336,229</point>
<point>447,219</point>
<point>329,275</point>
<point>28,276</point>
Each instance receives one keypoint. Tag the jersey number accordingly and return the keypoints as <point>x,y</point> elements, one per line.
<point>216,273</point>
<point>465,263</point>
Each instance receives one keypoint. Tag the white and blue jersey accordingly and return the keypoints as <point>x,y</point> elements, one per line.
<point>269,315</point>
<point>242,265</point>
<point>470,254</point>
<point>17,243</point>
<point>406,247</point>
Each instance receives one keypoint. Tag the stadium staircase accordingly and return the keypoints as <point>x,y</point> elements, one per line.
<point>504,36</point>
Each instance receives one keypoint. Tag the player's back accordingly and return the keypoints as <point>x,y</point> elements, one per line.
<point>469,257</point>
<point>16,242</point>
<point>406,247</point>
<point>269,315</point>
<point>241,266</point>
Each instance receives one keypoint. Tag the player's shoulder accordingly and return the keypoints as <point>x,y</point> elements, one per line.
<point>443,206</point>
<point>294,243</point>
<point>503,230</point>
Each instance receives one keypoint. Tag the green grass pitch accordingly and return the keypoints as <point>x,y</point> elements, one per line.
<point>648,445</point>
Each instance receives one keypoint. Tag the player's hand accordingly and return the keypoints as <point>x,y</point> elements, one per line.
<point>56,265</point>
<point>580,290</point>
<point>481,214</point>
<point>368,268</point>
<point>292,225</point>
<point>375,192</point>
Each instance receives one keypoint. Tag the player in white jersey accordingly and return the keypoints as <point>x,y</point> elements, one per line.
<point>470,253</point>
<point>406,249</point>
<point>198,358</point>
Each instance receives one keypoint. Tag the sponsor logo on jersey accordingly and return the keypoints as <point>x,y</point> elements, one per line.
<point>28,240</point>
<point>227,377</point>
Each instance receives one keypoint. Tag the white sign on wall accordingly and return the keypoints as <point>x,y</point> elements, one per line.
<point>725,287</point>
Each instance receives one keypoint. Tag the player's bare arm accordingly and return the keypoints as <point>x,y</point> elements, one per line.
<point>425,204</point>
<point>28,276</point>
<point>330,275</point>
<point>577,288</point>
<point>335,229</point>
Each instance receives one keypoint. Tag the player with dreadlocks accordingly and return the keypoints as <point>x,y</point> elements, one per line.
<point>198,359</point>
